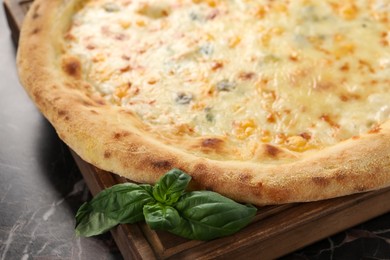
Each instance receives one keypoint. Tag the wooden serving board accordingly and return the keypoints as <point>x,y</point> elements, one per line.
<point>275,231</point>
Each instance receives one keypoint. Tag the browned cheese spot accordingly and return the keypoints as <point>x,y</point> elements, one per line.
<point>272,150</point>
<point>306,136</point>
<point>328,119</point>
<point>72,67</point>
<point>216,65</point>
<point>375,130</point>
<point>247,75</point>
<point>213,143</point>
<point>348,97</point>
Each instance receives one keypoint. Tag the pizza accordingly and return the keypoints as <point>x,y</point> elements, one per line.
<point>265,102</point>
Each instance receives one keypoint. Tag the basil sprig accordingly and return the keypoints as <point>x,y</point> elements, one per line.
<point>199,215</point>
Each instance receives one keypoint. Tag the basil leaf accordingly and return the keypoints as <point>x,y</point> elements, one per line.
<point>207,215</point>
<point>159,216</point>
<point>122,203</point>
<point>171,186</point>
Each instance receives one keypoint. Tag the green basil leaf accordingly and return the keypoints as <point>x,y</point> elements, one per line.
<point>122,203</point>
<point>207,215</point>
<point>159,216</point>
<point>171,186</point>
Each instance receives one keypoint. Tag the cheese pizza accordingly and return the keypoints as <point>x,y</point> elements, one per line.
<point>265,102</point>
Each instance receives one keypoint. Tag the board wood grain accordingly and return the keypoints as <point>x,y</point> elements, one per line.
<point>275,231</point>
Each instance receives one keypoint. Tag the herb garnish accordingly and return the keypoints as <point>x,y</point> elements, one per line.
<point>199,215</point>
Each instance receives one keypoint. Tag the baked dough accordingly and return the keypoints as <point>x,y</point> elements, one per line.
<point>263,102</point>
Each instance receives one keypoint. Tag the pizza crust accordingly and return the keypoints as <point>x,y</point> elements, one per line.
<point>114,139</point>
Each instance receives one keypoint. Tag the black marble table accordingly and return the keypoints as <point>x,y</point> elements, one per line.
<point>41,189</point>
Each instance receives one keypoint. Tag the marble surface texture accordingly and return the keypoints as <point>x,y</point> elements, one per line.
<point>41,189</point>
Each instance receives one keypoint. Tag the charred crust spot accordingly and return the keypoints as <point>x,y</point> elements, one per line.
<point>107,154</point>
<point>340,176</point>
<point>37,96</point>
<point>35,16</point>
<point>200,170</point>
<point>163,165</point>
<point>35,31</point>
<point>257,189</point>
<point>272,150</point>
<point>72,67</point>
<point>87,103</point>
<point>35,12</point>
<point>214,143</point>
<point>360,188</point>
<point>62,113</point>
<point>119,135</point>
<point>320,181</point>
<point>244,177</point>
<point>279,195</point>
<point>200,167</point>
<point>36,8</point>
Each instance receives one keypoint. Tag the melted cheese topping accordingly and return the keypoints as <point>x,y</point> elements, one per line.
<point>299,74</point>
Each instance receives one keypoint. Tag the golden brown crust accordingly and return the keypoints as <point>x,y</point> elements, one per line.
<point>114,140</point>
